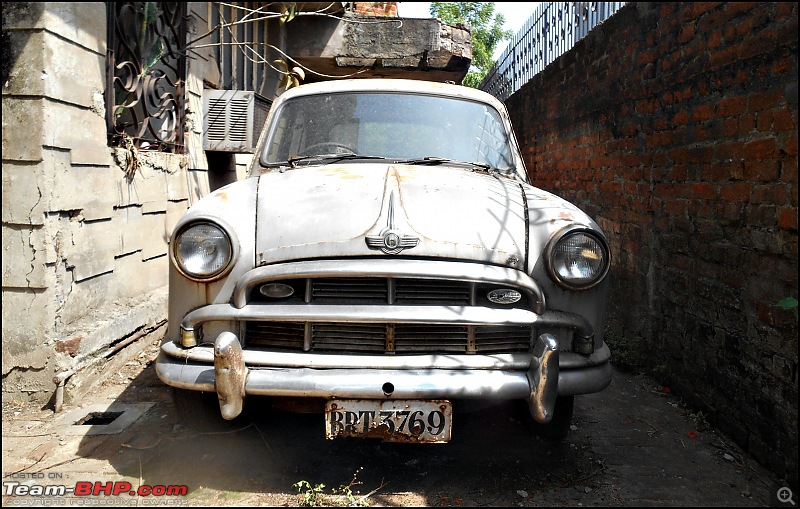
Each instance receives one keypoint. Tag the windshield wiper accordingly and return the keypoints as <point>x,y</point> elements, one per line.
<point>322,158</point>
<point>435,160</point>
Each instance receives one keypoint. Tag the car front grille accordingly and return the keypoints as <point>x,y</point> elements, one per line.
<point>380,338</point>
<point>383,290</point>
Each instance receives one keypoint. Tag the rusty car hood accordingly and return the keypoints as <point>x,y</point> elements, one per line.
<point>390,210</point>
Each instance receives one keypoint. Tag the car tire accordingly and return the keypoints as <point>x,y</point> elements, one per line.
<point>559,426</point>
<point>200,412</point>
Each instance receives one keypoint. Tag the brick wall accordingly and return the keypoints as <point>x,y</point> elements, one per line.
<point>675,126</point>
<point>376,8</point>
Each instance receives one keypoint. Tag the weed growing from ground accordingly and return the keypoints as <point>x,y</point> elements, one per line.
<point>343,496</point>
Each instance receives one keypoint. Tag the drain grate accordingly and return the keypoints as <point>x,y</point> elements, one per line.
<point>98,419</point>
<point>101,419</point>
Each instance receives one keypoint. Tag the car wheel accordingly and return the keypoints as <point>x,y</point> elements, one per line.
<point>558,427</point>
<point>200,412</point>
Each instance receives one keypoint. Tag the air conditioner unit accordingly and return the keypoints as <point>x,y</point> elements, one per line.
<point>233,120</point>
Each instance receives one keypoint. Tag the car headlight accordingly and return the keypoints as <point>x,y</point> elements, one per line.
<point>202,250</point>
<point>578,259</point>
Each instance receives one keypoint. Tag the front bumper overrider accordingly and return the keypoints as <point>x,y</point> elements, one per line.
<point>233,373</point>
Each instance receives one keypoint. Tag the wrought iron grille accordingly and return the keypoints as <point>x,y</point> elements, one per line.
<point>552,30</point>
<point>146,74</point>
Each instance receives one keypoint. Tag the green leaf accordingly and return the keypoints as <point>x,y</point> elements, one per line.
<point>787,303</point>
<point>155,55</point>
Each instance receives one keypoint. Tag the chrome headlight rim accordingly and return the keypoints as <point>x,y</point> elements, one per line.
<point>566,233</point>
<point>226,230</point>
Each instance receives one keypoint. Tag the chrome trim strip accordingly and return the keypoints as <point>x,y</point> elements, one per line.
<point>465,315</point>
<point>567,360</point>
<point>260,358</point>
<point>390,268</point>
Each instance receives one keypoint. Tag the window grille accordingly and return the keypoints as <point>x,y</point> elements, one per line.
<point>241,49</point>
<point>146,74</point>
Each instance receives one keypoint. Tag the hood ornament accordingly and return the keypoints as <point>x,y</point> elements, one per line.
<point>390,240</point>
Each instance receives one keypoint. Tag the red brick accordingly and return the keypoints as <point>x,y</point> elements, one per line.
<point>645,57</point>
<point>760,170</point>
<point>743,27</point>
<point>731,106</point>
<point>675,207</point>
<point>761,149</point>
<point>699,155</point>
<point>710,20</point>
<point>677,173</point>
<point>782,120</point>
<point>781,66</point>
<point>764,121</point>
<point>769,194</point>
<point>760,214</point>
<point>787,9</point>
<point>736,192</point>
<point>787,219</point>
<point>789,147</point>
<point>736,8</point>
<point>714,39</point>
<point>730,211</point>
<point>703,112</point>
<point>725,56</point>
<point>681,118</point>
<point>730,127</point>
<point>760,43</point>
<point>742,76</point>
<point>687,33</point>
<point>722,171</point>
<point>764,101</point>
<point>746,124</point>
<point>704,191</point>
<point>645,106</point>
<point>667,190</point>
<point>729,150</point>
<point>629,188</point>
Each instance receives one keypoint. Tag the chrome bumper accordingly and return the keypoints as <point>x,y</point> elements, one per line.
<point>232,374</point>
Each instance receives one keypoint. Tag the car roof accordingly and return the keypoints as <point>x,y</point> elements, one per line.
<point>392,85</point>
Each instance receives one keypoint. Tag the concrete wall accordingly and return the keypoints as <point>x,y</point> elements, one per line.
<point>675,126</point>
<point>84,249</point>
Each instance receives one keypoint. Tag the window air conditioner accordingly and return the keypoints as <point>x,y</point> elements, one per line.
<point>233,120</point>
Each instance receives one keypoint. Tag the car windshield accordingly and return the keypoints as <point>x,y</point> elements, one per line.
<point>395,126</point>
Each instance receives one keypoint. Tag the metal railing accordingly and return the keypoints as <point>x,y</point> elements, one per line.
<point>551,31</point>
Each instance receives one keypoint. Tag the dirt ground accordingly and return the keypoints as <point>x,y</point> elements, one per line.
<point>634,444</point>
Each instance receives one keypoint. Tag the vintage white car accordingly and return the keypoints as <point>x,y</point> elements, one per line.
<point>387,258</point>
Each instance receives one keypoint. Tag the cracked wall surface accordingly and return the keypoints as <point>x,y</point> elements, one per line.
<point>84,250</point>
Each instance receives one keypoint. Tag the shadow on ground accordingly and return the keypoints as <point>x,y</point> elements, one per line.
<point>490,458</point>
<point>632,444</point>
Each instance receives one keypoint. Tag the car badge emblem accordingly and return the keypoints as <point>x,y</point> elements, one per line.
<point>390,240</point>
